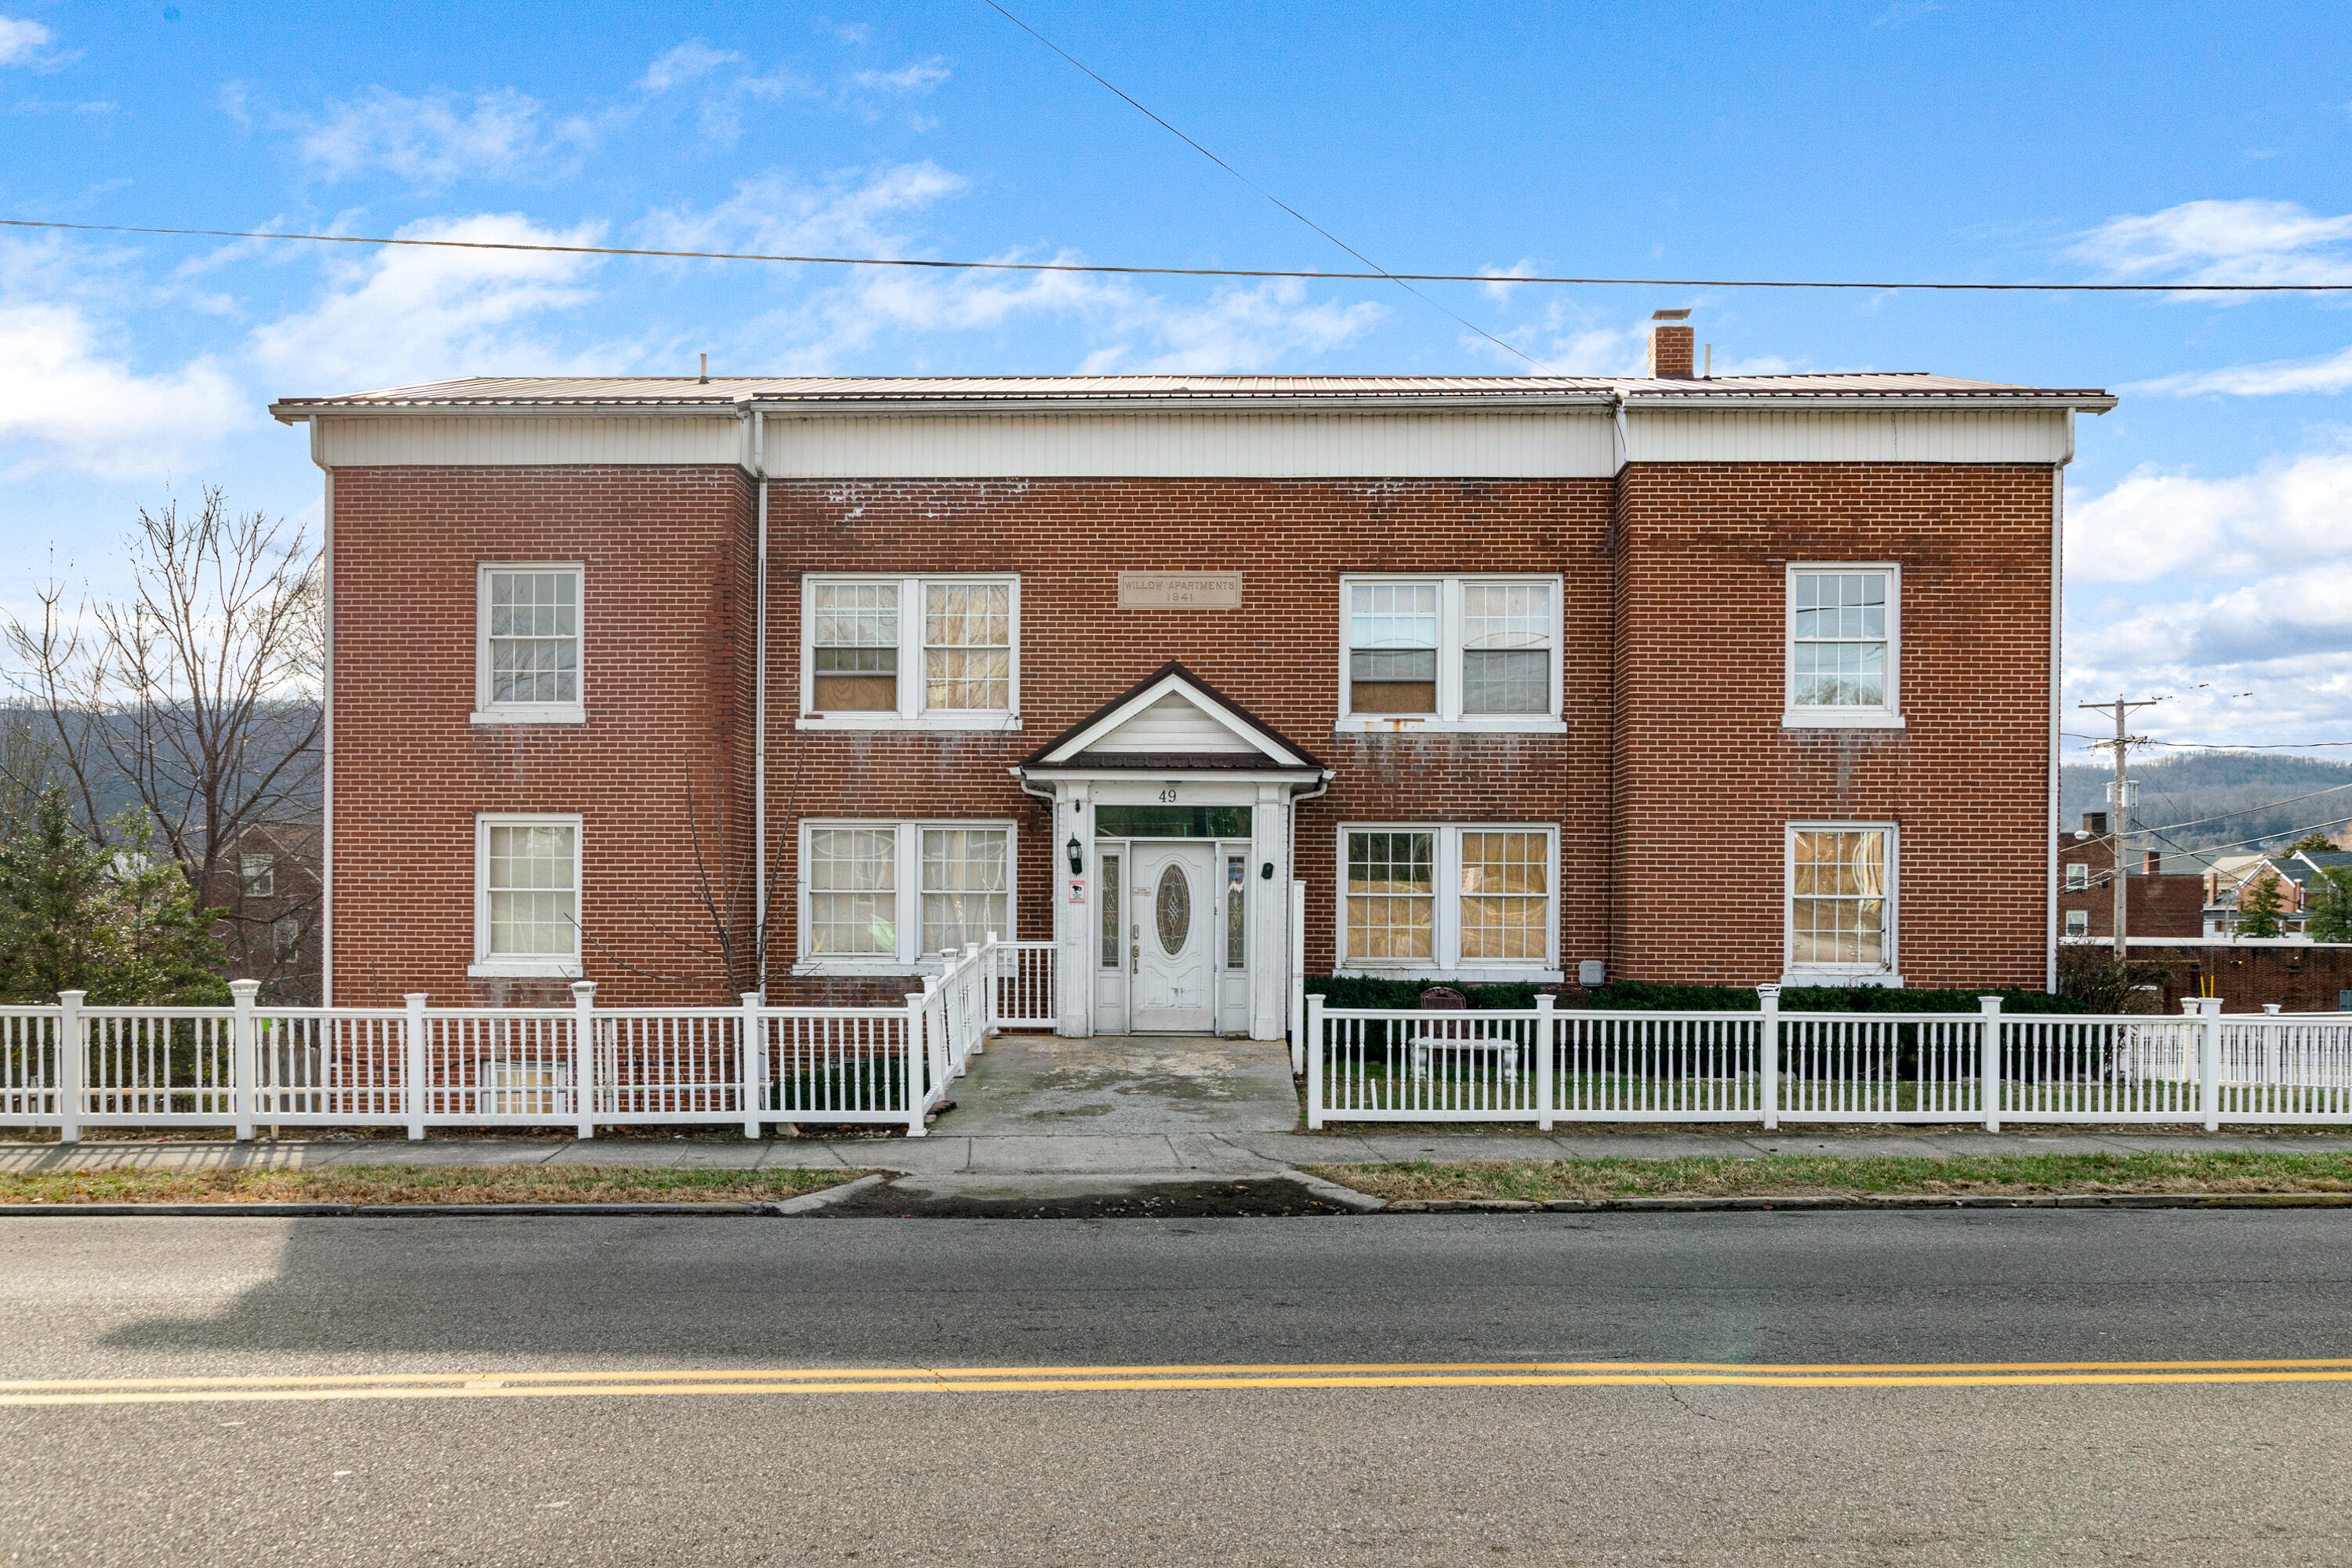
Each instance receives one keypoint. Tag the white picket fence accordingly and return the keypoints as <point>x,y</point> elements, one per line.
<point>72,1065</point>
<point>1544,1065</point>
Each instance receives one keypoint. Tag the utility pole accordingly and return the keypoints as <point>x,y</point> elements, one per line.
<point>2119,801</point>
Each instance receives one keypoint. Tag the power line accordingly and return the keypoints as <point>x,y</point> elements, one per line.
<point>1253,184</point>
<point>2212,745</point>
<point>1207,272</point>
<point>2249,810</point>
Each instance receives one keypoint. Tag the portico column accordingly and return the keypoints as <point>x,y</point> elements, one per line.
<point>1269,933</point>
<point>1073,975</point>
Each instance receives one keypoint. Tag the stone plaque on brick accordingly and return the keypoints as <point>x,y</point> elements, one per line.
<point>1180,590</point>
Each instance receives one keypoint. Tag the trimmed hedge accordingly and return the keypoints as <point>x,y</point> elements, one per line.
<point>1639,995</point>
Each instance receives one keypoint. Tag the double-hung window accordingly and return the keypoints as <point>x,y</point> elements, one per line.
<point>527,895</point>
<point>1461,901</point>
<point>526,654</point>
<point>257,874</point>
<point>1450,653</point>
<point>1840,900</point>
<point>879,896</point>
<point>2078,922</point>
<point>2078,877</point>
<point>885,653</point>
<point>1844,646</point>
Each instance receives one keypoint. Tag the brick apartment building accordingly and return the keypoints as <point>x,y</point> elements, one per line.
<point>2156,903</point>
<point>691,687</point>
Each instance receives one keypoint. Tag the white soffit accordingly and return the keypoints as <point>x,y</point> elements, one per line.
<point>1552,443</point>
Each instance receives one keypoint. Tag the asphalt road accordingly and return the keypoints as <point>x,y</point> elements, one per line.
<point>2164,1472</point>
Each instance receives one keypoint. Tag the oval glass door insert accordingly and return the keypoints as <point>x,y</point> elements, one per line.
<point>1173,907</point>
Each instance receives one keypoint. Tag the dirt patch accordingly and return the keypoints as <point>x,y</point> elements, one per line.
<point>1162,1200</point>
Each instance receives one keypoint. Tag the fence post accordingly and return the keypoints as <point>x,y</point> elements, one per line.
<point>243,1056</point>
<point>1767,1056</point>
<point>915,1054</point>
<point>1988,1062</point>
<point>975,1019</point>
<point>751,1062</point>
<point>583,1054</point>
<point>992,1009</point>
<point>1314,1059</point>
<point>1546,1052</point>
<point>73,1058</point>
<point>418,1074</point>
<point>2209,1067</point>
<point>1298,1009</point>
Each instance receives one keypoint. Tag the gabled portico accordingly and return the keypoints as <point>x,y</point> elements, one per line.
<point>1173,827</point>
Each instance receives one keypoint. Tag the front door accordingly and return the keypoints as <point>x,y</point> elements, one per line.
<point>1173,906</point>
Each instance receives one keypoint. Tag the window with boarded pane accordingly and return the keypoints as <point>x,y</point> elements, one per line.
<point>1506,896</point>
<point>530,643</point>
<point>968,645</point>
<point>531,888</point>
<point>855,647</point>
<point>1841,899</point>
<point>1507,647</point>
<point>967,887</point>
<point>1391,889</point>
<point>1393,647</point>
<point>1842,640</point>
<point>853,892</point>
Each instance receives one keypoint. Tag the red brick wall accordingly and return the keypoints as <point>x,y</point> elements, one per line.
<point>1278,656</point>
<point>667,661</point>
<point>1679,875</point>
<point>1706,777</point>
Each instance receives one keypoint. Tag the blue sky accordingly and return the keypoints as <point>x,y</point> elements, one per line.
<point>2210,516</point>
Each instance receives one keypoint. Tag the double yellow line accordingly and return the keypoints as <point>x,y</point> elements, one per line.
<point>608,1383</point>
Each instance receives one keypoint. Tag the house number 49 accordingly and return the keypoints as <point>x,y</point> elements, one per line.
<point>1168,797</point>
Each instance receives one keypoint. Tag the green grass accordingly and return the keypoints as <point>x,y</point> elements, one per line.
<point>417,1184</point>
<point>1807,1176</point>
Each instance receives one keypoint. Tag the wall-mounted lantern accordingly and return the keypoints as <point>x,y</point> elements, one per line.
<point>1078,856</point>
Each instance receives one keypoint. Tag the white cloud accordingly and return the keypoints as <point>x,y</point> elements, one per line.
<point>2329,372</point>
<point>432,140</point>
<point>2240,241</point>
<point>1502,289</point>
<point>1238,330</point>
<point>2155,522</point>
<point>688,61</point>
<point>773,213</point>
<point>406,315</point>
<point>920,77</point>
<point>21,41</point>
<point>67,403</point>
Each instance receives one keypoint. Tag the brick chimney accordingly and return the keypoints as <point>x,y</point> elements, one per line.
<point>1673,345</point>
<point>2154,864</point>
<point>2095,823</point>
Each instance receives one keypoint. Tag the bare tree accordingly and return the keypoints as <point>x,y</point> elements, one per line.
<point>196,693</point>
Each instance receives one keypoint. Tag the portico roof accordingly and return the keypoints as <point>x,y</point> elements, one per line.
<point>1172,721</point>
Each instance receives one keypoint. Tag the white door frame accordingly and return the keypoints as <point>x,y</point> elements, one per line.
<point>1077,916</point>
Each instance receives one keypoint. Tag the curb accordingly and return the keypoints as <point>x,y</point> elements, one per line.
<point>824,1198</point>
<point>1331,1191</point>
<point>1874,1204</point>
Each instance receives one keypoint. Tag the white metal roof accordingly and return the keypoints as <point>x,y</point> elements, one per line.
<point>687,394</point>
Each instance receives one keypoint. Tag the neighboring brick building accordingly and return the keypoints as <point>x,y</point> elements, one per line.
<point>270,892</point>
<point>1485,662</point>
<point>2156,903</point>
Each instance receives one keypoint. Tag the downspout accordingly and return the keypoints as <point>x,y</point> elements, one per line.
<point>1615,542</point>
<point>2057,675</point>
<point>759,708</point>
<point>326,723</point>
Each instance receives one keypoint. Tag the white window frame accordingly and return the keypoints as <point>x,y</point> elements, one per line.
<point>489,712</point>
<point>911,713</point>
<point>2078,922</point>
<point>253,868</point>
<point>2078,877</point>
<point>908,921</point>
<point>1890,972</point>
<point>1449,717</point>
<point>1445,938</point>
<point>485,967</point>
<point>1887,715</point>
